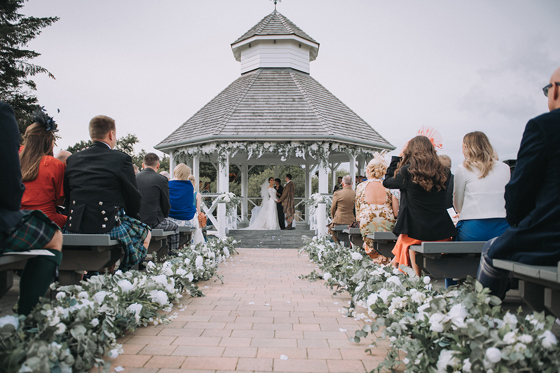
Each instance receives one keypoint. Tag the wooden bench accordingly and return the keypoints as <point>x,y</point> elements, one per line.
<point>539,286</point>
<point>11,261</point>
<point>158,242</point>
<point>185,235</point>
<point>451,259</point>
<point>383,243</point>
<point>341,233</point>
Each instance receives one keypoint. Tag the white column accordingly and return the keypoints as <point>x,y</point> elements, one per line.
<point>245,191</point>
<point>196,170</point>
<point>223,187</point>
<point>172,162</point>
<point>307,189</point>
<point>322,207</point>
<point>361,164</point>
<point>353,169</point>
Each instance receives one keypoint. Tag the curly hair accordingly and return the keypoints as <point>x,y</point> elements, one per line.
<point>376,168</point>
<point>424,165</point>
<point>478,152</point>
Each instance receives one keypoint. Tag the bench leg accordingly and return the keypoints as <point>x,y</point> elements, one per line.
<point>532,294</point>
<point>69,278</point>
<point>552,301</point>
<point>6,281</point>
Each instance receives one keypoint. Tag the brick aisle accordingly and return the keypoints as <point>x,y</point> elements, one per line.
<point>261,312</point>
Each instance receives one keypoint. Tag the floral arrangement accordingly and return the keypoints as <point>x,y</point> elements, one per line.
<point>232,201</point>
<point>317,150</point>
<point>461,329</point>
<point>314,200</point>
<point>73,332</point>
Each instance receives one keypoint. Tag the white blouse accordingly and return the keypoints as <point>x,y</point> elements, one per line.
<point>476,198</point>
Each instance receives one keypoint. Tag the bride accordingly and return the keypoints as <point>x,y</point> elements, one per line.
<point>267,217</point>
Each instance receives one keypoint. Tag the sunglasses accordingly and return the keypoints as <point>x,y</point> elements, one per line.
<point>546,88</point>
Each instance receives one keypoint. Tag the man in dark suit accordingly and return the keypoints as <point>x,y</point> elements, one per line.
<point>154,210</point>
<point>279,207</point>
<point>532,199</point>
<point>101,193</point>
<point>24,230</point>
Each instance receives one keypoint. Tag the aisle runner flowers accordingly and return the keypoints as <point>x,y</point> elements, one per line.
<point>463,329</point>
<point>313,203</point>
<point>231,201</point>
<point>73,332</point>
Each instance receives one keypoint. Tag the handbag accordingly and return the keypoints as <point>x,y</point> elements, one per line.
<point>202,220</point>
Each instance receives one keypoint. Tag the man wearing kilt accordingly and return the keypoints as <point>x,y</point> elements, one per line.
<point>101,193</point>
<point>24,230</point>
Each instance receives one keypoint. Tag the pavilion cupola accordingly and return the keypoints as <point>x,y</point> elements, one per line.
<point>275,42</point>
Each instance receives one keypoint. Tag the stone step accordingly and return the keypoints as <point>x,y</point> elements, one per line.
<point>270,239</point>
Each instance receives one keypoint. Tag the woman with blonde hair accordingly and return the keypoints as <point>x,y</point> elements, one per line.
<point>42,174</point>
<point>423,181</point>
<point>376,207</point>
<point>198,237</point>
<point>480,184</point>
<point>181,197</point>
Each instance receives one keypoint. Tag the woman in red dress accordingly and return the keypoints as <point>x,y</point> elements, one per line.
<point>42,174</point>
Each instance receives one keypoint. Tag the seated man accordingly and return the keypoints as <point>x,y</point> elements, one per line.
<point>342,209</point>
<point>24,230</point>
<point>154,210</point>
<point>532,200</point>
<point>101,193</point>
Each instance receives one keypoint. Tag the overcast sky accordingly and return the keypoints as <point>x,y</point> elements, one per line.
<point>458,66</point>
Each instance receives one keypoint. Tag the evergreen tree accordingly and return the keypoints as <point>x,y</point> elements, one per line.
<point>16,86</point>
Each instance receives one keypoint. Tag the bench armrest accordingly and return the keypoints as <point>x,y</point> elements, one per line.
<point>449,247</point>
<point>88,240</point>
<point>382,236</point>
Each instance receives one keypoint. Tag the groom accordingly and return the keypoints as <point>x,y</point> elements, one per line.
<point>287,200</point>
<point>279,207</point>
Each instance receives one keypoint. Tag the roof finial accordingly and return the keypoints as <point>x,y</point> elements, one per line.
<point>276,2</point>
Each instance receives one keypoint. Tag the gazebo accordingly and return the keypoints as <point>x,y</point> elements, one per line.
<point>275,113</point>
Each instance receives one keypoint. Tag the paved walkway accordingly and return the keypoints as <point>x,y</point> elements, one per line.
<point>260,313</point>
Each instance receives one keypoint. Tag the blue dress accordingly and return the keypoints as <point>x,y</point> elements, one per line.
<point>181,197</point>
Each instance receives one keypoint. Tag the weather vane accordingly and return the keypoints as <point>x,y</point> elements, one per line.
<point>275,2</point>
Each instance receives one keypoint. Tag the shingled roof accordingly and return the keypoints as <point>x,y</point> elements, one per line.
<point>275,24</point>
<point>275,104</point>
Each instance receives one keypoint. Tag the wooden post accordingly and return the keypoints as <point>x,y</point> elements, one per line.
<point>223,187</point>
<point>196,171</point>
<point>353,170</point>
<point>322,207</point>
<point>307,189</point>
<point>172,162</point>
<point>245,191</point>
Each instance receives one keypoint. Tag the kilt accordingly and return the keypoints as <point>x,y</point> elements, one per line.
<point>34,231</point>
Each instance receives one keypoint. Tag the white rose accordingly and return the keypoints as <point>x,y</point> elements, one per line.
<point>199,262</point>
<point>60,296</point>
<point>360,286</point>
<point>60,328</point>
<point>190,277</point>
<point>446,358</point>
<point>113,354</point>
<point>226,252</point>
<point>509,338</point>
<point>83,294</point>
<point>493,355</point>
<point>394,280</point>
<point>99,296</point>
<point>135,308</point>
<point>94,322</point>
<point>510,319</point>
<point>548,340</point>
<point>519,348</point>
<point>357,256</point>
<point>436,322</point>
<point>167,271</point>
<point>457,315</point>
<point>525,338</point>
<point>125,285</point>
<point>372,299</point>
<point>385,294</point>
<point>326,276</point>
<point>10,319</point>
<point>467,365</point>
<point>150,265</point>
<point>187,261</point>
<point>160,279</point>
<point>181,272</point>
<point>159,297</point>
<point>427,280</point>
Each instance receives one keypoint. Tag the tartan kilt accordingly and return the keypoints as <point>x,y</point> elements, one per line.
<point>34,231</point>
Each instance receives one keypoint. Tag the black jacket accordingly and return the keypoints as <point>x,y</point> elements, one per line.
<point>11,187</point>
<point>533,198</point>
<point>154,189</point>
<point>97,182</point>
<point>422,215</point>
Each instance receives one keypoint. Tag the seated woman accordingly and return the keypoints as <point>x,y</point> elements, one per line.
<point>422,180</point>
<point>480,184</point>
<point>376,206</point>
<point>42,174</point>
<point>198,237</point>
<point>181,197</point>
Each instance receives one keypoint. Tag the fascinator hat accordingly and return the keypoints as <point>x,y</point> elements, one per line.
<point>41,117</point>
<point>433,135</point>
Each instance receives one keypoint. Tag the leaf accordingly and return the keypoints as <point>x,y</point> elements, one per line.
<point>478,287</point>
<point>361,334</point>
<point>354,339</point>
<point>367,328</point>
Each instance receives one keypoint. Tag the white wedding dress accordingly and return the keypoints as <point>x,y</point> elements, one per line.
<point>267,217</point>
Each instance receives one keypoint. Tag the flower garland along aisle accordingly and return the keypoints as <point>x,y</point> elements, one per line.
<point>73,332</point>
<point>461,329</point>
<point>231,201</point>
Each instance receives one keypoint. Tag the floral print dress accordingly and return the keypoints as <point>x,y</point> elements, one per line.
<point>374,218</point>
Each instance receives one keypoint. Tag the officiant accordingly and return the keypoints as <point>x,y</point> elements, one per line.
<point>279,207</point>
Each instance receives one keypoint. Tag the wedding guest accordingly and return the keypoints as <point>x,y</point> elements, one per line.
<point>198,237</point>
<point>279,207</point>
<point>102,196</point>
<point>287,200</point>
<point>24,230</point>
<point>480,184</point>
<point>446,160</point>
<point>338,185</point>
<point>42,174</point>
<point>63,156</point>
<point>166,174</point>
<point>181,197</point>
<point>376,207</point>
<point>342,209</point>
<point>206,190</point>
<point>423,181</point>
<point>154,207</point>
<point>532,200</point>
